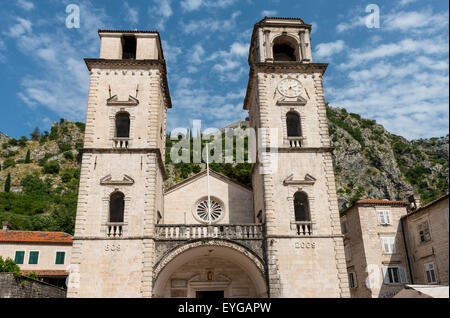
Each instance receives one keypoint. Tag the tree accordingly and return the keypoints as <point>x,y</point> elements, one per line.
<point>28,157</point>
<point>51,167</point>
<point>8,183</point>
<point>36,134</point>
<point>9,266</point>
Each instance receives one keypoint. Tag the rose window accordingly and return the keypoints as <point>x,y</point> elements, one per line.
<point>202,211</point>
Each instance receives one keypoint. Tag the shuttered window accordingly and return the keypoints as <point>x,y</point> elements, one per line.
<point>394,275</point>
<point>352,280</point>
<point>384,217</point>
<point>34,258</point>
<point>430,272</point>
<point>388,243</point>
<point>19,257</point>
<point>424,232</point>
<point>60,256</point>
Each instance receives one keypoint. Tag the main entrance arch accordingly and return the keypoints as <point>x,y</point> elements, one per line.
<point>214,267</point>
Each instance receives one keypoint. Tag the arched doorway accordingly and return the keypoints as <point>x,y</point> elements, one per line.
<point>210,270</point>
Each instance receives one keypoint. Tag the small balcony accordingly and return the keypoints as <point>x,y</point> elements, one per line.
<point>295,142</point>
<point>302,228</point>
<point>121,143</point>
<point>194,231</point>
<point>114,229</point>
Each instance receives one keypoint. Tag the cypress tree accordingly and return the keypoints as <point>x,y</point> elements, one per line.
<point>28,157</point>
<point>8,183</point>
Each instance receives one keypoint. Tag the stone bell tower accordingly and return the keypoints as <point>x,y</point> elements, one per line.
<point>122,172</point>
<point>296,198</point>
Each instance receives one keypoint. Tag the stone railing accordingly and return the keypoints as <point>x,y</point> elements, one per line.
<point>114,229</point>
<point>121,142</point>
<point>191,232</point>
<point>303,228</point>
<point>295,142</point>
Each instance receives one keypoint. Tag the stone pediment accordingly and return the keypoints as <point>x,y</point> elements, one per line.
<point>114,101</point>
<point>299,101</point>
<point>127,180</point>
<point>309,179</point>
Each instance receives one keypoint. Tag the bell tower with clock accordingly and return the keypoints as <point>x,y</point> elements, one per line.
<point>296,198</point>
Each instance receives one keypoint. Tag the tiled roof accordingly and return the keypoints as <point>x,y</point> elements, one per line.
<point>46,272</point>
<point>35,237</point>
<point>386,202</point>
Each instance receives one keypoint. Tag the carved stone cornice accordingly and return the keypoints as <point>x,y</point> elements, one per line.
<point>113,101</point>
<point>107,180</point>
<point>309,180</point>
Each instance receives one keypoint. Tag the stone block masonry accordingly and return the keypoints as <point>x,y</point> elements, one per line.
<point>12,286</point>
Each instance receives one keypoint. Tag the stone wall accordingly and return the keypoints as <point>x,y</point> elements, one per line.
<point>24,287</point>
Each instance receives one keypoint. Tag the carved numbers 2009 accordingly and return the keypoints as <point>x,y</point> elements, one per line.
<point>305,244</point>
<point>112,247</point>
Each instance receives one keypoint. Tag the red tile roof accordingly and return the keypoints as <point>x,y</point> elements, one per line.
<point>35,237</point>
<point>46,272</point>
<point>382,202</point>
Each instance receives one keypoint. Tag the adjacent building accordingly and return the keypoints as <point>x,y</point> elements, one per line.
<point>47,254</point>
<point>389,244</point>
<point>374,247</point>
<point>426,229</point>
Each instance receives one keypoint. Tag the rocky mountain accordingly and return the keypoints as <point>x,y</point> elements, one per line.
<point>369,162</point>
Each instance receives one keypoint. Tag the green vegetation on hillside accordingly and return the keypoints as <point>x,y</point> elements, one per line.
<point>39,177</point>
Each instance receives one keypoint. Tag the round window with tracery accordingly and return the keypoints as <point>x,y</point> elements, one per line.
<point>202,211</point>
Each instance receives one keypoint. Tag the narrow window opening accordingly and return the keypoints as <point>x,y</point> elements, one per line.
<point>123,125</point>
<point>128,47</point>
<point>301,207</point>
<point>116,207</point>
<point>293,125</point>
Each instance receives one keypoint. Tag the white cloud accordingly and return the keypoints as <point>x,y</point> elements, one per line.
<point>198,53</point>
<point>26,5</point>
<point>132,14</point>
<point>355,23</point>
<point>269,13</point>
<point>324,50</point>
<point>162,10</point>
<point>192,5</point>
<point>171,52</point>
<point>211,25</point>
<point>23,26</point>
<point>415,21</point>
<point>314,27</point>
<point>405,2</point>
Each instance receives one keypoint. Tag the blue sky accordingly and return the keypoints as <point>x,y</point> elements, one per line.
<point>397,74</point>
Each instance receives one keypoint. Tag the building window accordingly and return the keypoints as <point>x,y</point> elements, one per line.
<point>344,227</point>
<point>293,125</point>
<point>259,217</point>
<point>352,280</point>
<point>123,125</point>
<point>19,257</point>
<point>301,207</point>
<point>60,256</point>
<point>34,257</point>
<point>394,275</point>
<point>384,217</point>
<point>348,252</point>
<point>285,49</point>
<point>424,232</point>
<point>388,243</point>
<point>158,218</point>
<point>430,272</point>
<point>116,207</point>
<point>128,47</point>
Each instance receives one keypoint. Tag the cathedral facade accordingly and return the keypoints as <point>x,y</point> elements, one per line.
<point>136,238</point>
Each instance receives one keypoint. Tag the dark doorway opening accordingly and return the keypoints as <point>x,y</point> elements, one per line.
<point>210,294</point>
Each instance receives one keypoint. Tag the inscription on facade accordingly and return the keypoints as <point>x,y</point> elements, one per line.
<point>112,247</point>
<point>305,244</point>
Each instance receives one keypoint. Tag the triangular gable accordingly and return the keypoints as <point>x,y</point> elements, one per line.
<point>113,101</point>
<point>309,179</point>
<point>202,174</point>
<point>107,180</point>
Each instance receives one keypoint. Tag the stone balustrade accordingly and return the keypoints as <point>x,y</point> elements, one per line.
<point>191,232</point>
<point>295,142</point>
<point>303,228</point>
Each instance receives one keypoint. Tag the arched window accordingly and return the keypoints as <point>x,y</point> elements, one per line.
<point>285,48</point>
<point>123,125</point>
<point>293,125</point>
<point>116,207</point>
<point>301,207</point>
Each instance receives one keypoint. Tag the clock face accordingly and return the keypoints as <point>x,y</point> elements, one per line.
<point>290,87</point>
